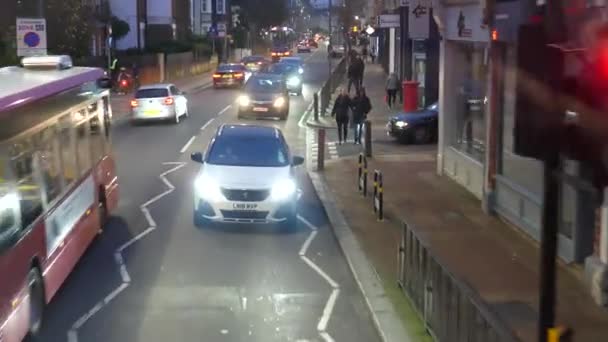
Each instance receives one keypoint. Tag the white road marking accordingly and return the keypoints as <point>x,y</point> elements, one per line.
<point>328,310</point>
<point>331,302</point>
<point>207,124</point>
<point>119,259</point>
<point>224,110</point>
<point>307,243</point>
<point>188,144</point>
<point>326,337</point>
<point>318,269</point>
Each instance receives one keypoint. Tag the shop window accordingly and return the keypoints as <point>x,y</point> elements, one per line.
<point>67,147</point>
<point>470,135</point>
<point>525,172</point>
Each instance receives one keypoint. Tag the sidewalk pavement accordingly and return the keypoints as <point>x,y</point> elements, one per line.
<point>492,257</point>
<point>121,103</point>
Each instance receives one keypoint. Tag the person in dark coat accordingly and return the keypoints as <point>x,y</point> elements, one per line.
<point>352,75</point>
<point>340,112</point>
<point>361,106</point>
<point>360,70</point>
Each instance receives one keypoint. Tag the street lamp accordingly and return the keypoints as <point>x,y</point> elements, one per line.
<point>356,17</point>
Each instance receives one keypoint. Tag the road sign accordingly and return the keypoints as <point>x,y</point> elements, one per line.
<point>222,30</point>
<point>389,20</point>
<point>31,36</point>
<point>213,30</point>
<point>419,19</point>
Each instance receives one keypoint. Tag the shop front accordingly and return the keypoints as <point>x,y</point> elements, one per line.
<point>462,97</point>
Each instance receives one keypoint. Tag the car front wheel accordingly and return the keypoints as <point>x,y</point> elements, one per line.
<point>291,222</point>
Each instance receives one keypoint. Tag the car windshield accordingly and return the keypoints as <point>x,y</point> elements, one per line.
<point>253,59</point>
<point>263,85</point>
<point>230,67</point>
<point>295,61</point>
<point>281,68</point>
<point>248,151</point>
<point>151,92</point>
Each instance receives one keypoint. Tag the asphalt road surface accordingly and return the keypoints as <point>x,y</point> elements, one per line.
<point>152,276</point>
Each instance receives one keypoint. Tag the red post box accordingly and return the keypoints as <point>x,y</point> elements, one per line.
<point>410,96</point>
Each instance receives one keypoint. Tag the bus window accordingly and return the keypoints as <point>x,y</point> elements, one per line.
<point>23,161</point>
<point>47,148</point>
<point>83,149</point>
<point>107,119</point>
<point>67,150</point>
<point>97,139</point>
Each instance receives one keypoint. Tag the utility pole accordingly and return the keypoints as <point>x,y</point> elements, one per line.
<point>555,31</point>
<point>214,30</point>
<point>330,42</point>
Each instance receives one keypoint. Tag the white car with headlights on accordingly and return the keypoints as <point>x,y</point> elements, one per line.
<point>264,96</point>
<point>247,176</point>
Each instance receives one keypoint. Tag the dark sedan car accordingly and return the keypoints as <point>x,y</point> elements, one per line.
<point>291,74</point>
<point>255,63</point>
<point>417,127</point>
<point>230,75</point>
<point>264,96</point>
<point>278,52</point>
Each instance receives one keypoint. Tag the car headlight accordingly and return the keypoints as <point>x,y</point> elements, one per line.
<point>208,189</point>
<point>401,124</point>
<point>283,189</point>
<point>279,102</point>
<point>300,71</point>
<point>244,100</point>
<point>293,81</point>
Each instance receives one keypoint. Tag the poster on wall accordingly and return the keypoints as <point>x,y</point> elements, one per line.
<point>61,222</point>
<point>418,19</point>
<point>466,23</point>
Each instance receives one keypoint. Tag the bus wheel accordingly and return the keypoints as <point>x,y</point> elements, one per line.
<point>36,294</point>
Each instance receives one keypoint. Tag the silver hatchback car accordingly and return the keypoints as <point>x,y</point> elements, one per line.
<point>159,101</point>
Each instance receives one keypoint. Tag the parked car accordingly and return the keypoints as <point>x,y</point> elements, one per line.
<point>418,127</point>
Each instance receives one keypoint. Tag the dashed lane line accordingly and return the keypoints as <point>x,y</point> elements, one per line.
<point>188,144</point>
<point>119,259</point>
<point>207,124</point>
<point>224,110</point>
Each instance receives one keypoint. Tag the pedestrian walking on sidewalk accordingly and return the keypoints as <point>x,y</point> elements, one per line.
<point>372,55</point>
<point>360,70</point>
<point>361,106</point>
<point>392,85</point>
<point>352,74</point>
<point>364,53</point>
<point>340,112</point>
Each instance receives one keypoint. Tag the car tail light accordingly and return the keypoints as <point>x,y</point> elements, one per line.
<point>134,103</point>
<point>217,75</point>
<point>274,53</point>
<point>123,83</point>
<point>239,75</point>
<point>169,101</point>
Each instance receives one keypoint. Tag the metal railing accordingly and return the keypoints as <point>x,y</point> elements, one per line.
<point>450,309</point>
<point>331,84</point>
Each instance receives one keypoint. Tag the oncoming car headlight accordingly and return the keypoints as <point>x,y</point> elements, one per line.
<point>208,189</point>
<point>293,81</point>
<point>244,100</point>
<point>401,124</point>
<point>300,71</point>
<point>279,102</point>
<point>283,189</point>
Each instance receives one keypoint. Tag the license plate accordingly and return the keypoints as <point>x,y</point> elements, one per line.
<point>260,109</point>
<point>244,206</point>
<point>227,76</point>
<point>151,111</point>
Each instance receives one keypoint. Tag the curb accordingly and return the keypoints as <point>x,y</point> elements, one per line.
<point>386,320</point>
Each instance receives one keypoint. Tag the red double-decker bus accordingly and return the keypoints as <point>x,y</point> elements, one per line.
<point>57,181</point>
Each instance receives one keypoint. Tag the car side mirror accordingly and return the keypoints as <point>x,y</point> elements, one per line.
<point>297,161</point>
<point>197,157</point>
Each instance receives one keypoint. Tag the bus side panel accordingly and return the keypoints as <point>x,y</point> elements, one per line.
<point>16,262</point>
<point>77,223</point>
<point>106,176</point>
